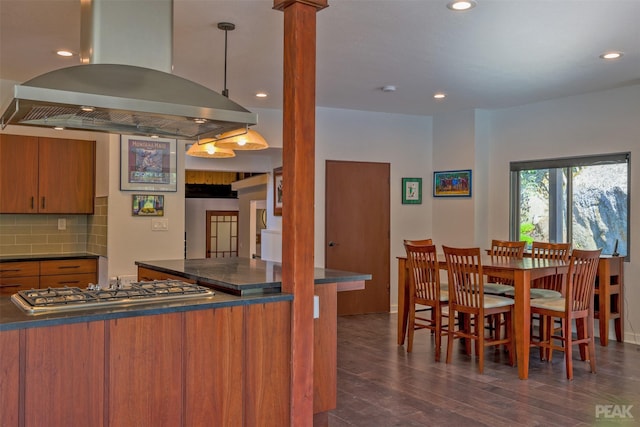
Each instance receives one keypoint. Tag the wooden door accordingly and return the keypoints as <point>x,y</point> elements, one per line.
<point>18,174</point>
<point>357,231</point>
<point>67,176</point>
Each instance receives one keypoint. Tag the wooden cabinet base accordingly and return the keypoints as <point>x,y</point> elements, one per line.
<point>213,367</point>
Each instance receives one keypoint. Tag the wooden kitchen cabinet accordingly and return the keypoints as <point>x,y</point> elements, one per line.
<point>17,276</point>
<point>20,275</point>
<point>46,175</point>
<point>64,375</point>
<point>9,378</point>
<point>68,272</point>
<point>148,275</point>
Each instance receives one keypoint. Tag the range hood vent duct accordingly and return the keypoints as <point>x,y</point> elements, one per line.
<point>113,91</point>
<point>124,99</point>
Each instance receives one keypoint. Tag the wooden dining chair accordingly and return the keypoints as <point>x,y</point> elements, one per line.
<point>577,304</point>
<point>467,299</point>
<point>503,249</point>
<point>548,286</point>
<point>425,291</point>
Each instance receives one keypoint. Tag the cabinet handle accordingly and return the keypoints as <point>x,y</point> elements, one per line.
<point>69,282</point>
<point>32,202</point>
<point>11,285</point>
<point>10,270</point>
<point>68,266</point>
<point>43,202</point>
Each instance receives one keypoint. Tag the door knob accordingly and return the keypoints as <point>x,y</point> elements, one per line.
<point>331,243</point>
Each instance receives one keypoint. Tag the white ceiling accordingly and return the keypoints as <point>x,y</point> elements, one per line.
<point>502,53</point>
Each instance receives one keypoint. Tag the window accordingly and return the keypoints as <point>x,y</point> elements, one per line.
<point>581,200</point>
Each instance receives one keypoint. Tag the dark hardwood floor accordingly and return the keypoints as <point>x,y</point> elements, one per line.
<point>380,384</point>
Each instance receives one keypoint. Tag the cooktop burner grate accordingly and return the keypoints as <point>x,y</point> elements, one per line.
<point>68,298</point>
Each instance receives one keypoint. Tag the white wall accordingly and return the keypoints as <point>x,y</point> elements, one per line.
<point>595,123</point>
<point>404,142</point>
<point>196,222</point>
<point>130,238</point>
<point>454,149</point>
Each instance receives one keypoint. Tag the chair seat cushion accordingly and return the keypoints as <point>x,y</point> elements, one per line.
<point>555,304</point>
<point>496,288</point>
<point>493,301</point>
<point>537,293</point>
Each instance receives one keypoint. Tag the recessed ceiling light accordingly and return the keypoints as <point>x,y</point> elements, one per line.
<point>460,5</point>
<point>388,88</point>
<point>65,53</point>
<point>439,95</point>
<point>261,95</point>
<point>87,108</point>
<point>58,128</point>
<point>611,55</point>
<point>199,120</point>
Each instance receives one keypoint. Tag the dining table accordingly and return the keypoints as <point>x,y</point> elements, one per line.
<point>520,271</point>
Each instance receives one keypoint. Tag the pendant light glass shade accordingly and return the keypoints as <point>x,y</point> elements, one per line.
<point>249,140</point>
<point>209,150</point>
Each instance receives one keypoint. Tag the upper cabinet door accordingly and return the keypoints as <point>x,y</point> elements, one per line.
<point>67,176</point>
<point>18,174</point>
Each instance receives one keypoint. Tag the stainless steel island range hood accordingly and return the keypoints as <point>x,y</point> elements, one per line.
<point>111,93</point>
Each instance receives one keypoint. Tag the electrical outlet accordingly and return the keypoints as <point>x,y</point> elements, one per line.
<point>62,224</point>
<point>126,280</point>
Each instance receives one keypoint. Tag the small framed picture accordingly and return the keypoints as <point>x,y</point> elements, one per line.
<point>452,183</point>
<point>147,164</point>
<point>147,205</point>
<point>411,191</point>
<point>277,191</point>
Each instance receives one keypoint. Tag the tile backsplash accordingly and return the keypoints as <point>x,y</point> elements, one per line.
<point>40,235</point>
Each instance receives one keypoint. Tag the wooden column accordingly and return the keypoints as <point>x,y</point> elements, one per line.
<point>298,170</point>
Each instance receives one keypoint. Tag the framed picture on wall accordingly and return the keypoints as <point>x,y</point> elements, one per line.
<point>411,191</point>
<point>147,164</point>
<point>452,183</point>
<point>277,191</point>
<point>147,205</point>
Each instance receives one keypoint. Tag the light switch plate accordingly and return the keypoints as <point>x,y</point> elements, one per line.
<point>159,224</point>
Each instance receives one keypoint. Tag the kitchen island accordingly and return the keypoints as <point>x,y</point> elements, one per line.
<point>223,360</point>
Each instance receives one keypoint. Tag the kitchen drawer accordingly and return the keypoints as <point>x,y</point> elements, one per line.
<point>80,280</point>
<point>11,285</point>
<point>68,266</point>
<point>19,269</point>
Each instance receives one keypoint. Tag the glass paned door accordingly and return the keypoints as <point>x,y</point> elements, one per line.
<point>222,234</point>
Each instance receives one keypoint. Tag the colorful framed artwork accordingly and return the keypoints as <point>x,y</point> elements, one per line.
<point>411,191</point>
<point>147,164</point>
<point>455,183</point>
<point>147,205</point>
<point>277,191</point>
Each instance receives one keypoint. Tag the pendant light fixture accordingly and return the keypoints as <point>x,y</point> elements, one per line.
<point>242,139</point>
<point>209,150</point>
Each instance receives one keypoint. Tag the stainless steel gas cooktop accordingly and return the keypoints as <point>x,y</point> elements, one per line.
<point>51,300</point>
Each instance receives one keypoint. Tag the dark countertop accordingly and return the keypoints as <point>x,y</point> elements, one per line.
<point>243,276</point>
<point>44,257</point>
<point>11,317</point>
<point>251,281</point>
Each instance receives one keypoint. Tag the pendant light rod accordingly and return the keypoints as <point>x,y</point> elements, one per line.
<point>226,27</point>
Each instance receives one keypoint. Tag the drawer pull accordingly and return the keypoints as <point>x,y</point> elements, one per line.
<point>10,270</point>
<point>68,266</point>
<point>16,285</point>
<point>69,282</point>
